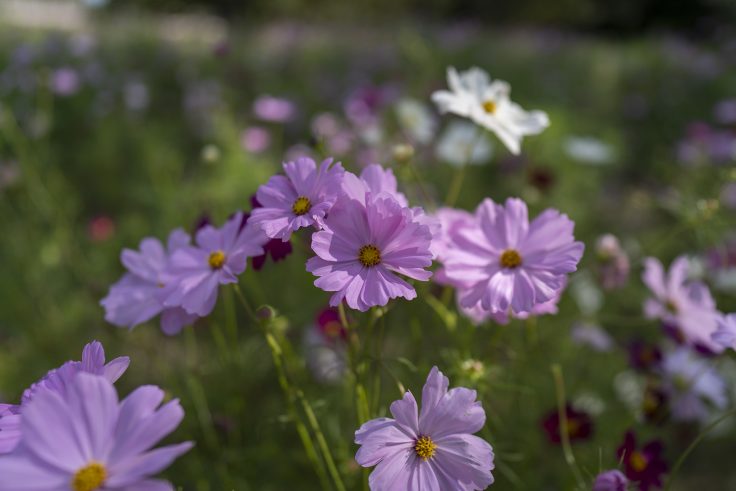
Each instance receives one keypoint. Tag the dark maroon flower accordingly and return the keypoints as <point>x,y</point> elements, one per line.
<point>541,178</point>
<point>579,425</point>
<point>330,325</point>
<point>643,465</point>
<point>654,405</point>
<point>644,356</point>
<point>101,228</point>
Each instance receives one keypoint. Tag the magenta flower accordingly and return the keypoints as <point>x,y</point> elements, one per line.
<point>195,273</point>
<point>138,296</point>
<point>509,265</point>
<point>434,449</point>
<point>302,198</point>
<point>86,440</point>
<point>684,305</point>
<point>363,247</point>
<point>612,480</point>
<point>644,465</point>
<point>725,335</point>
<point>693,387</point>
<point>579,425</point>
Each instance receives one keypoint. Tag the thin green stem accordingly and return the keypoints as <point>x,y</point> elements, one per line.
<point>457,181</point>
<point>692,446</point>
<point>564,435</point>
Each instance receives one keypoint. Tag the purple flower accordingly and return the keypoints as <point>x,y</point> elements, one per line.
<point>725,335</point>
<point>508,264</point>
<point>9,427</point>
<point>644,465</point>
<point>643,356</point>
<point>613,480</point>
<point>276,248</point>
<point>302,198</point>
<point>274,109</point>
<point>692,386</point>
<point>57,380</point>
<point>93,361</point>
<point>363,246</point>
<point>86,440</point>
<point>684,305</point>
<point>375,181</point>
<point>255,139</point>
<point>65,81</point>
<point>194,273</point>
<point>429,450</point>
<point>139,295</point>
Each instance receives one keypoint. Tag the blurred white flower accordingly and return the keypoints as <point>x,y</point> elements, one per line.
<point>589,150</point>
<point>474,96</point>
<point>416,119</point>
<point>593,336</point>
<point>461,140</point>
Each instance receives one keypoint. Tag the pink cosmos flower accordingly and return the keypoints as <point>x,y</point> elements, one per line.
<point>195,273</point>
<point>725,335</point>
<point>375,181</point>
<point>274,109</point>
<point>9,427</point>
<point>57,380</point>
<point>364,246</point>
<point>508,264</point>
<point>86,440</point>
<point>431,450</point>
<point>685,305</point>
<point>302,198</point>
<point>613,480</point>
<point>139,295</point>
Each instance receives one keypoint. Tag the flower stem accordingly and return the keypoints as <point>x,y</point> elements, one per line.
<point>692,446</point>
<point>291,393</point>
<point>457,180</point>
<point>564,435</point>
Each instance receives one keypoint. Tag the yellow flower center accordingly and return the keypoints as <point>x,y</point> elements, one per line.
<point>573,427</point>
<point>489,107</point>
<point>216,260</point>
<point>638,461</point>
<point>89,478</point>
<point>301,206</point>
<point>671,306</point>
<point>425,447</point>
<point>510,258</point>
<point>369,255</point>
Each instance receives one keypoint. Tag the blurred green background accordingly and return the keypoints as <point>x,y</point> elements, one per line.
<point>125,120</point>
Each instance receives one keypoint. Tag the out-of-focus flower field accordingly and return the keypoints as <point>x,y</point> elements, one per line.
<point>120,132</point>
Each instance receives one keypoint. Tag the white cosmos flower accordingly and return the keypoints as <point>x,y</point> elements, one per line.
<point>473,95</point>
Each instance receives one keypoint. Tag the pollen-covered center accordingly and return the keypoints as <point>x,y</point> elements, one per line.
<point>671,306</point>
<point>90,477</point>
<point>638,461</point>
<point>369,255</point>
<point>425,447</point>
<point>216,260</point>
<point>301,206</point>
<point>510,258</point>
<point>489,106</point>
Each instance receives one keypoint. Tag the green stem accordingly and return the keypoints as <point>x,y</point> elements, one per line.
<point>564,435</point>
<point>692,446</point>
<point>459,177</point>
<point>291,393</point>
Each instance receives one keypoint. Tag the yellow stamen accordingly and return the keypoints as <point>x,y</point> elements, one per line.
<point>89,478</point>
<point>671,306</point>
<point>510,258</point>
<point>369,255</point>
<point>425,447</point>
<point>573,427</point>
<point>489,107</point>
<point>638,461</point>
<point>301,206</point>
<point>216,260</point>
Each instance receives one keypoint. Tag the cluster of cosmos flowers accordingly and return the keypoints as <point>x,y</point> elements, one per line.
<point>369,246</point>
